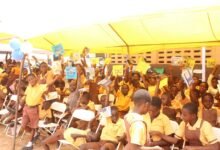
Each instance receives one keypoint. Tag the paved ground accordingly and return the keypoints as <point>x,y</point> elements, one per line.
<point>6,142</point>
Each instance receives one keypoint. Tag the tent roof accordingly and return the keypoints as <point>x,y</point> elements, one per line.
<point>141,33</point>
<point>129,27</point>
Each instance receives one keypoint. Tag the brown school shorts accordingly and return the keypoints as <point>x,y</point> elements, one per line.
<point>30,117</point>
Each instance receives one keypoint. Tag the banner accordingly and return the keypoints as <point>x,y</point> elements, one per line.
<point>51,96</point>
<point>71,72</point>
<point>117,70</point>
<point>90,73</point>
<point>94,61</point>
<point>177,61</point>
<point>56,67</point>
<point>142,67</point>
<point>190,63</point>
<point>105,82</point>
<point>210,63</point>
<point>58,51</point>
<point>159,70</point>
<point>187,76</point>
<point>163,82</point>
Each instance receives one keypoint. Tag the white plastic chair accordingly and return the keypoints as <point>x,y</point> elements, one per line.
<point>57,107</point>
<point>216,131</point>
<point>5,101</point>
<point>152,148</point>
<point>4,109</point>
<point>175,126</point>
<point>86,115</point>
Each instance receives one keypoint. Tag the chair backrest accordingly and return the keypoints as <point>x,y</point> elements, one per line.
<point>216,131</point>
<point>14,97</point>
<point>65,100</point>
<point>174,125</point>
<point>98,107</point>
<point>82,114</point>
<point>11,98</point>
<point>52,96</point>
<point>60,107</point>
<point>5,101</point>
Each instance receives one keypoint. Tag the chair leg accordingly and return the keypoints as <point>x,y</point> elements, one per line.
<point>22,135</point>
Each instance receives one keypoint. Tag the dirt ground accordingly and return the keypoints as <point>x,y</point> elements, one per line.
<point>6,142</point>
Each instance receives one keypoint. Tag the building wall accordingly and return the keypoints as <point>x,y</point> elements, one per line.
<point>164,56</point>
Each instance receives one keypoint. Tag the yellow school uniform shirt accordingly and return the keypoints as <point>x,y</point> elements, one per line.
<point>3,89</point>
<point>137,130</point>
<point>2,75</point>
<point>34,94</point>
<point>78,141</point>
<point>91,105</point>
<point>151,90</point>
<point>44,113</point>
<point>206,133</point>
<point>102,90</point>
<point>111,131</point>
<point>16,70</point>
<point>182,101</point>
<point>161,124</point>
<point>122,101</point>
<point>176,104</point>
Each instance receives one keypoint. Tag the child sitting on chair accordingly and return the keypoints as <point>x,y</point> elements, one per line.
<point>109,135</point>
<point>208,113</point>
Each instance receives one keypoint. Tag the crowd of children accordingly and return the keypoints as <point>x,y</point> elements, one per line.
<point>142,112</point>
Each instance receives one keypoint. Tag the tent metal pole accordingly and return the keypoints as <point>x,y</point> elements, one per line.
<point>48,41</point>
<point>203,64</point>
<point>18,101</point>
<point>126,44</point>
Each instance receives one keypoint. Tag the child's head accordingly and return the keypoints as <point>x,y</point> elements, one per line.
<point>207,101</point>
<point>32,79</point>
<point>174,91</point>
<point>214,82</point>
<point>194,96</point>
<point>43,67</point>
<point>152,79</point>
<point>189,112</point>
<point>155,106</point>
<point>141,100</point>
<point>180,85</point>
<point>203,87</point>
<point>136,76</point>
<point>72,85</point>
<point>85,98</point>
<point>125,89</point>
<point>165,98</point>
<point>103,99</point>
<point>196,80</point>
<point>60,84</point>
<point>115,115</point>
